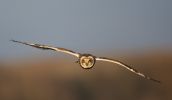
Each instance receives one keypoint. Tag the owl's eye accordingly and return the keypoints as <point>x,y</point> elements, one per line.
<point>83,60</point>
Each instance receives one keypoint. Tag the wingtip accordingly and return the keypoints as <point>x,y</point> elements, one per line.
<point>13,40</point>
<point>157,81</point>
<point>16,41</point>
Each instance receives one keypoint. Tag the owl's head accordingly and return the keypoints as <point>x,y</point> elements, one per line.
<point>87,61</point>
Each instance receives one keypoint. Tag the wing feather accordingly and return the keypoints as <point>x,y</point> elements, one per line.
<point>45,47</point>
<point>127,67</point>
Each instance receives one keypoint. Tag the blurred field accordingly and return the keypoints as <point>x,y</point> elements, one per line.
<point>55,78</point>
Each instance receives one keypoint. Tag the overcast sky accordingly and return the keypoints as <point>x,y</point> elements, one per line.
<point>85,25</point>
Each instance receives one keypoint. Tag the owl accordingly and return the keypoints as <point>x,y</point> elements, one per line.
<point>87,61</point>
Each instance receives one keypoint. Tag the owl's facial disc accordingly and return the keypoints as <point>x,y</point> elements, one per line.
<point>87,62</point>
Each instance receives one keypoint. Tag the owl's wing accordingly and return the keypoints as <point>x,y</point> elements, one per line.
<point>127,67</point>
<point>45,47</point>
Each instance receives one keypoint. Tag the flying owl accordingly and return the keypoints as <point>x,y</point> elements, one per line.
<point>87,61</point>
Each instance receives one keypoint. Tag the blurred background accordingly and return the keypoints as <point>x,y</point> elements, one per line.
<point>137,32</point>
